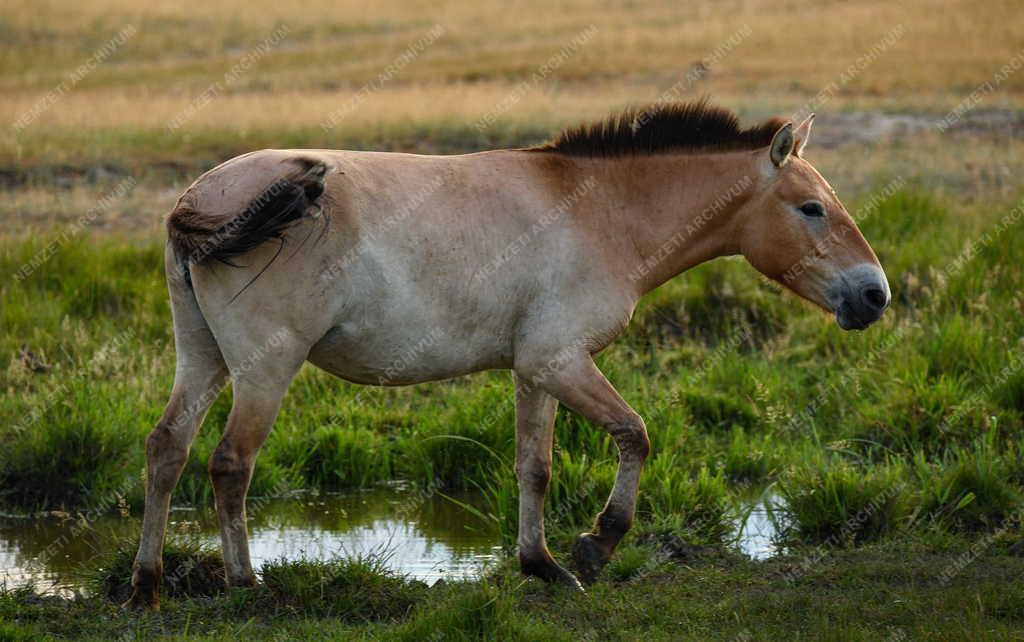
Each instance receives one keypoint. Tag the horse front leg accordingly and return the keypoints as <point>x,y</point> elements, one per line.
<point>580,385</point>
<point>535,426</point>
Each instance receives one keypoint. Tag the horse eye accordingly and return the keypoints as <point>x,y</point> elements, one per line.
<point>812,208</point>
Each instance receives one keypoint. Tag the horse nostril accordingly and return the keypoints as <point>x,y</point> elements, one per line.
<point>875,298</point>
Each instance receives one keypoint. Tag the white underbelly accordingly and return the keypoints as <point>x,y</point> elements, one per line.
<point>383,356</point>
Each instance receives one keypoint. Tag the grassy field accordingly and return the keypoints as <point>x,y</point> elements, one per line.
<point>897,454</point>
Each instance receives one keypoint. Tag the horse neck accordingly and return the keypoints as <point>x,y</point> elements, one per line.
<point>659,215</point>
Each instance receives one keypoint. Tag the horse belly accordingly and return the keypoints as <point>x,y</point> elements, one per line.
<point>393,356</point>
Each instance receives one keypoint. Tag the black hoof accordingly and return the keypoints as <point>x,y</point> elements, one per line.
<point>145,590</point>
<point>589,557</point>
<point>142,601</point>
<point>548,570</point>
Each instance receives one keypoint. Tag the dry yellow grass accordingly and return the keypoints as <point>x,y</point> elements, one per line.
<point>948,45</point>
<point>332,49</point>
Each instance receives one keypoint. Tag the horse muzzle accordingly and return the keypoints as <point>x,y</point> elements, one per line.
<point>861,294</point>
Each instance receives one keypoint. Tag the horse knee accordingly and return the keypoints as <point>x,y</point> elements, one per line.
<point>172,436</point>
<point>226,463</point>
<point>166,454</point>
<point>160,444</point>
<point>631,437</point>
<point>229,471</point>
<point>534,476</point>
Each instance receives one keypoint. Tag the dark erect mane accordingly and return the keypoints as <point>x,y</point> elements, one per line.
<point>663,127</point>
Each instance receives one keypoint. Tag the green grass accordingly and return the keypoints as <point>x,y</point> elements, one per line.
<point>843,503</point>
<point>971,490</point>
<point>869,593</point>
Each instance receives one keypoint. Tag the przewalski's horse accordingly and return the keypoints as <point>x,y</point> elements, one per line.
<point>530,260</point>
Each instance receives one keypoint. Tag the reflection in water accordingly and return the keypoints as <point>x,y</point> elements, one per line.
<point>422,534</point>
<point>758,526</point>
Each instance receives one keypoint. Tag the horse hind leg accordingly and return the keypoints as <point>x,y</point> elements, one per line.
<point>231,467</point>
<point>199,376</point>
<point>274,356</point>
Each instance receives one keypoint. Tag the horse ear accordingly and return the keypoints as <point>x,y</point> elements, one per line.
<point>802,134</point>
<point>782,145</point>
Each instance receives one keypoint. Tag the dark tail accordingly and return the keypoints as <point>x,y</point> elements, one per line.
<point>197,236</point>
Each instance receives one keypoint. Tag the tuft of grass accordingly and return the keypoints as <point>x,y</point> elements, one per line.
<point>191,569</point>
<point>698,507</point>
<point>484,610</point>
<point>334,457</point>
<point>749,459</point>
<point>715,411</point>
<point>632,562</point>
<point>969,490</point>
<point>358,589</point>
<point>844,504</point>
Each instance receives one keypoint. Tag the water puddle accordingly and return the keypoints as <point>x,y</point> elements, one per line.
<point>758,526</point>
<point>423,535</point>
